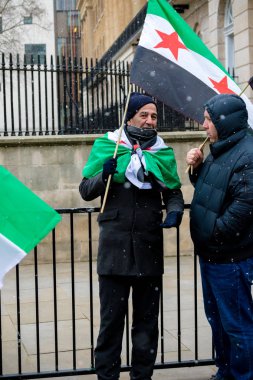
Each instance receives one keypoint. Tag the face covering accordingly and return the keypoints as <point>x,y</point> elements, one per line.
<point>141,134</point>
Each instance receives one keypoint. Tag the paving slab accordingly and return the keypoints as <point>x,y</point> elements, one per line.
<point>28,316</point>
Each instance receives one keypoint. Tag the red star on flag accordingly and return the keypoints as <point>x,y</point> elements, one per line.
<point>171,42</point>
<point>222,86</point>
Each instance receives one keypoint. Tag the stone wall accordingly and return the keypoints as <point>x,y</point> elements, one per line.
<point>51,166</point>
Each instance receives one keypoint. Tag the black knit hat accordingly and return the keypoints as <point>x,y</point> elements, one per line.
<point>137,101</point>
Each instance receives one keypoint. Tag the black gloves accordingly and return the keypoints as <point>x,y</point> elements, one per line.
<point>109,167</point>
<point>173,219</point>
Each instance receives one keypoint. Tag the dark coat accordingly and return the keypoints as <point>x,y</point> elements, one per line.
<point>130,239</point>
<point>221,216</point>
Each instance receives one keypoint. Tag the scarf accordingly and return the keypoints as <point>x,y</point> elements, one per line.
<point>134,163</point>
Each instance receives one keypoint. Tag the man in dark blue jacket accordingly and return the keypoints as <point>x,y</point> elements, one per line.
<point>221,223</point>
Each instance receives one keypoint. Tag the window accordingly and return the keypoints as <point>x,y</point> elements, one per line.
<point>229,37</point>
<point>28,20</point>
<point>62,47</point>
<point>35,50</point>
<point>74,23</point>
<point>65,5</point>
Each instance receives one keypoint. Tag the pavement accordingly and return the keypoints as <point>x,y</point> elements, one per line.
<point>45,314</point>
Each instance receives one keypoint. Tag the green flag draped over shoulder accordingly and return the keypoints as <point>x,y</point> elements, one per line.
<point>102,150</point>
<point>158,159</point>
<point>25,220</point>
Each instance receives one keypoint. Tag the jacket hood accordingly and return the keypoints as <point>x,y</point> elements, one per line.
<point>228,113</point>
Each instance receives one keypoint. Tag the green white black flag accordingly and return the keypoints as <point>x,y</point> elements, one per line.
<point>174,65</point>
<point>25,220</point>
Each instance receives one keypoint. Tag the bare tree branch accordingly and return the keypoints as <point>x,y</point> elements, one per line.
<point>12,13</point>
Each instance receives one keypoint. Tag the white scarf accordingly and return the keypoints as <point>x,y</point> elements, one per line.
<point>136,169</point>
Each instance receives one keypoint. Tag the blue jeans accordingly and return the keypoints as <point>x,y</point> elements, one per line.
<point>229,309</point>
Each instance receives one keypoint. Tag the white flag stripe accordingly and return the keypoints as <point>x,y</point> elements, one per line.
<point>193,62</point>
<point>10,256</point>
<point>189,60</point>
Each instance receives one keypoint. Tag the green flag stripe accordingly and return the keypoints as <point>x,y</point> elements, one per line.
<point>25,219</point>
<point>162,164</point>
<point>191,61</point>
<point>163,9</point>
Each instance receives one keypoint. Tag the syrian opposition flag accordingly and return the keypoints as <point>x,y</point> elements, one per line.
<point>158,159</point>
<point>25,220</point>
<point>174,65</point>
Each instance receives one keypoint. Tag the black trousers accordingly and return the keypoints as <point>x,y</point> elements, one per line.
<point>114,293</point>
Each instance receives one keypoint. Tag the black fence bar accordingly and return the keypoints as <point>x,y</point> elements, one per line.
<point>195,311</point>
<point>68,98</point>
<point>80,288</point>
<point>162,327</point>
<point>37,314</point>
<point>92,362</point>
<point>26,100</point>
<point>73,299</point>
<point>52,97</point>
<point>18,320</point>
<point>33,97</point>
<point>19,98</point>
<point>39,100</point>
<point>55,301</point>
<point>4,96</point>
<point>179,357</point>
<point>11,96</point>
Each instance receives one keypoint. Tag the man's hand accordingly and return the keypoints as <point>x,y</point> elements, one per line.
<point>173,219</point>
<point>194,157</point>
<point>109,168</point>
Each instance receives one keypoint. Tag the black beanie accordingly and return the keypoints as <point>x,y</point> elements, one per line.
<point>137,101</point>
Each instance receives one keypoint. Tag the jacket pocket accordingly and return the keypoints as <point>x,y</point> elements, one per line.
<point>108,215</point>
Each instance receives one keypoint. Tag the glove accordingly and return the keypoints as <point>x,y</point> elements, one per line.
<point>173,219</point>
<point>109,167</point>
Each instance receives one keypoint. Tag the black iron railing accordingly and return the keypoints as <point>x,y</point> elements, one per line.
<point>49,313</point>
<point>68,97</point>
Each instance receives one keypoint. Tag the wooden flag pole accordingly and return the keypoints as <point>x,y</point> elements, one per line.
<point>250,83</point>
<point>201,147</point>
<point>116,148</point>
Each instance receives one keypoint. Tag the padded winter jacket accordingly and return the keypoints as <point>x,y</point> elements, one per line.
<point>130,237</point>
<point>221,215</point>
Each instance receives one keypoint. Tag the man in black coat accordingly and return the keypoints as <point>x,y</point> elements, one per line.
<point>221,223</point>
<point>130,253</point>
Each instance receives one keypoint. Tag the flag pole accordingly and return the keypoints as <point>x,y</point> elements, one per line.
<point>250,83</point>
<point>201,147</point>
<point>116,148</point>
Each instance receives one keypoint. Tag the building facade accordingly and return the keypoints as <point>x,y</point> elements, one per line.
<point>110,30</point>
<point>49,28</point>
<point>67,29</point>
<point>27,28</point>
<point>37,86</point>
<point>102,22</point>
